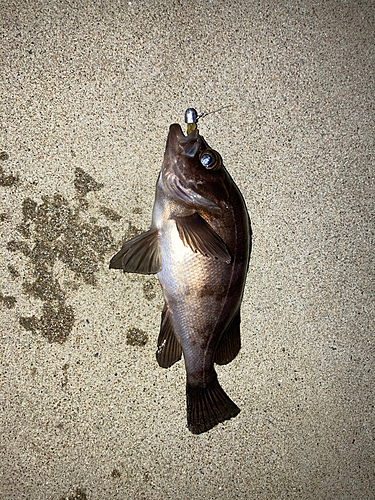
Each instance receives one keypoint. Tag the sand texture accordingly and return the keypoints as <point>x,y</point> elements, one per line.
<point>88,91</point>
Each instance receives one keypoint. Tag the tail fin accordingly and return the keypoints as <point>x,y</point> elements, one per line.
<point>208,406</point>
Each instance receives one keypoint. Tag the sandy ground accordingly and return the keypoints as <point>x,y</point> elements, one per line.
<point>88,91</point>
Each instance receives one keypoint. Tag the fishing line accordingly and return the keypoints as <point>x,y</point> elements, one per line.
<point>192,117</point>
<point>202,115</point>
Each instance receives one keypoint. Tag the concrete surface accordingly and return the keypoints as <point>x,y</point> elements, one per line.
<point>88,91</point>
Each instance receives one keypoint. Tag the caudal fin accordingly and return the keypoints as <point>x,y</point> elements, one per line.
<point>208,406</point>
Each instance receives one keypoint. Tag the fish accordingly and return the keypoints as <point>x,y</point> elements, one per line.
<point>199,246</point>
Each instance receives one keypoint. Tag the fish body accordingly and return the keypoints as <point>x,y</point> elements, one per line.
<point>199,246</point>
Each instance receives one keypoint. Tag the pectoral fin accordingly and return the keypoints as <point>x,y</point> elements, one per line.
<point>139,255</point>
<point>230,342</point>
<point>169,348</point>
<point>196,233</point>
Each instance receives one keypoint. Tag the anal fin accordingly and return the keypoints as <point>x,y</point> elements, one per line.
<point>230,342</point>
<point>169,348</point>
<point>139,255</point>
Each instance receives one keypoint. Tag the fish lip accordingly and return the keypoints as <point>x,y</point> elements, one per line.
<point>175,135</point>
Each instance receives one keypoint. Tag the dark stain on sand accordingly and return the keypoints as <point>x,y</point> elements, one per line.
<point>79,494</point>
<point>6,180</point>
<point>56,230</point>
<point>7,300</point>
<point>136,337</point>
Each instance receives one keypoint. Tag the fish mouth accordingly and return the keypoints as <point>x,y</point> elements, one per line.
<point>178,142</point>
<point>172,179</point>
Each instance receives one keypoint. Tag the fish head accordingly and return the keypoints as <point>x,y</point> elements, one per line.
<point>192,172</point>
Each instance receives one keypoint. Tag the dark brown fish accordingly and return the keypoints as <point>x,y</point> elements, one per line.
<point>199,245</point>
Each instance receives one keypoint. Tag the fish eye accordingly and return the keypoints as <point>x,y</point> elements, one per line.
<point>210,159</point>
<point>206,160</point>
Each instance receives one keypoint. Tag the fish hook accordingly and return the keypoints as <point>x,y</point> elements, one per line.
<point>192,117</point>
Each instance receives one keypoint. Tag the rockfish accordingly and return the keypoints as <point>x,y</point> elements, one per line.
<point>199,245</point>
